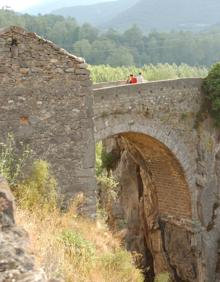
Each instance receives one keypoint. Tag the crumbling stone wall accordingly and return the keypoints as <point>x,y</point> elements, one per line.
<point>46,101</point>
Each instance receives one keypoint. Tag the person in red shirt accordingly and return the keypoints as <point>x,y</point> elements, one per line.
<point>133,79</point>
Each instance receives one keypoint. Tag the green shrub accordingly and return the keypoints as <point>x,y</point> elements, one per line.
<point>107,195</point>
<point>121,262</point>
<point>109,186</point>
<point>98,158</point>
<point>104,160</point>
<point>12,161</point>
<point>39,189</point>
<point>211,87</point>
<point>77,246</point>
<point>108,159</point>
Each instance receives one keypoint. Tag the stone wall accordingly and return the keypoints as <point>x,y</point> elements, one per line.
<point>45,100</point>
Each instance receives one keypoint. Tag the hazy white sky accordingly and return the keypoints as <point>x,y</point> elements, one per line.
<point>19,5</point>
<point>22,5</point>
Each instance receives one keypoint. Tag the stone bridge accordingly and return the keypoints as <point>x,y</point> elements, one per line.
<point>47,101</point>
<point>159,118</point>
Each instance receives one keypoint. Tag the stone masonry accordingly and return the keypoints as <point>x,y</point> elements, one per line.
<point>47,101</point>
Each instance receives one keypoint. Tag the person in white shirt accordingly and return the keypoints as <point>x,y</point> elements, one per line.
<point>140,78</point>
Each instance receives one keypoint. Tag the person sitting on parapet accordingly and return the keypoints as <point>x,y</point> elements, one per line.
<point>128,80</point>
<point>133,79</point>
<point>140,78</point>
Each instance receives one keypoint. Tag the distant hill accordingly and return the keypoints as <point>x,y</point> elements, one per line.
<point>169,14</point>
<point>46,6</point>
<point>96,14</point>
<point>148,14</point>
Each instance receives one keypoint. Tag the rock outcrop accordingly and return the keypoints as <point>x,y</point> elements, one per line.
<point>165,245</point>
<point>16,263</point>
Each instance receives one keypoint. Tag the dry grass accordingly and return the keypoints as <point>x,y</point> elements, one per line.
<point>76,249</point>
<point>67,246</point>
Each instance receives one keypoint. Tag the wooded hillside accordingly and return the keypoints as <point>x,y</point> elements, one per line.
<point>128,48</point>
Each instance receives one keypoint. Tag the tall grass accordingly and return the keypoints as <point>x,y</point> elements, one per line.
<point>105,73</point>
<point>77,249</point>
<point>38,190</point>
<point>66,246</point>
<point>12,160</point>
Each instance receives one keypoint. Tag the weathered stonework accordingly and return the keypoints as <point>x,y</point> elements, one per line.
<point>46,100</point>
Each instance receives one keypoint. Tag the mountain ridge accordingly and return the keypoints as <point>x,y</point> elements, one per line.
<point>161,15</point>
<point>47,6</point>
<point>148,14</point>
<point>96,14</point>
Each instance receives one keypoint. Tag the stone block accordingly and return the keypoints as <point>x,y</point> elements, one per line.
<point>82,72</point>
<point>70,70</point>
<point>24,70</point>
<point>82,66</point>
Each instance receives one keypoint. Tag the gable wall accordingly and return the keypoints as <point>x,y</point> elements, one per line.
<point>45,100</point>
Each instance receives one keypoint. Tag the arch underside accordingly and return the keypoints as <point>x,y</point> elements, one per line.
<point>156,203</point>
<point>168,174</point>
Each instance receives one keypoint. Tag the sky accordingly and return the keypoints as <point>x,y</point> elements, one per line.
<point>22,5</point>
<point>19,5</point>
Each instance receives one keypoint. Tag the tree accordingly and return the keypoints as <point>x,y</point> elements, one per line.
<point>88,32</point>
<point>211,88</point>
<point>120,57</point>
<point>83,49</point>
<point>101,49</point>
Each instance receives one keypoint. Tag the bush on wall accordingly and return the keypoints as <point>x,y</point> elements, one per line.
<point>211,87</point>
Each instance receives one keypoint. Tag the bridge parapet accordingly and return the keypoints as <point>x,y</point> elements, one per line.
<point>108,84</point>
<point>181,95</point>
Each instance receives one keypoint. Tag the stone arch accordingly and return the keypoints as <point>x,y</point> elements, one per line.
<point>168,161</point>
<point>162,213</point>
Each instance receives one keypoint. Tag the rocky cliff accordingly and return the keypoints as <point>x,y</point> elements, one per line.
<point>16,263</point>
<point>164,245</point>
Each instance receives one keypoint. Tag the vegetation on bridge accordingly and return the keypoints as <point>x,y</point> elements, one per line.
<point>211,88</point>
